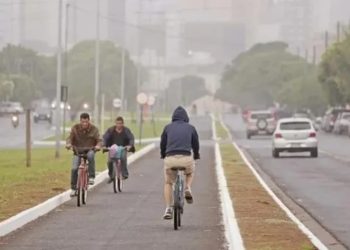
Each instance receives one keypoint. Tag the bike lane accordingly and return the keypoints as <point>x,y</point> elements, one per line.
<point>133,219</point>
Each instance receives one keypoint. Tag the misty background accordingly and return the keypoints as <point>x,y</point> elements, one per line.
<point>169,39</point>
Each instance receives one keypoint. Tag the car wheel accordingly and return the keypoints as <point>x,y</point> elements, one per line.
<point>314,153</point>
<point>275,153</point>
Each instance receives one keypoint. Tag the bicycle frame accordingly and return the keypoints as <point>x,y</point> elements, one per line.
<point>83,180</point>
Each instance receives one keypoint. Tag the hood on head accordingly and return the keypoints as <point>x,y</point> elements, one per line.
<point>180,114</point>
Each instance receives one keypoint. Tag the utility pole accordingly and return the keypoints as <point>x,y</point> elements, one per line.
<point>65,65</point>
<point>314,55</point>
<point>338,31</point>
<point>58,80</point>
<point>122,76</point>
<point>97,64</point>
<point>326,38</point>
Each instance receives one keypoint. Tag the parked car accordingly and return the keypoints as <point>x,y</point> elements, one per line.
<point>330,117</point>
<point>342,123</point>
<point>42,114</point>
<point>294,135</point>
<point>260,123</point>
<point>11,108</point>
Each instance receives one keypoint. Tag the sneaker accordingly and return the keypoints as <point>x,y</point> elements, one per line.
<point>91,181</point>
<point>73,193</point>
<point>168,215</point>
<point>188,196</point>
<point>125,177</point>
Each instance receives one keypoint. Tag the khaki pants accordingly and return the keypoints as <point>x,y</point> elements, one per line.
<point>177,161</point>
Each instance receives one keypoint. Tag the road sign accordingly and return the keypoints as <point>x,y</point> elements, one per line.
<point>117,103</point>
<point>142,98</point>
<point>151,100</point>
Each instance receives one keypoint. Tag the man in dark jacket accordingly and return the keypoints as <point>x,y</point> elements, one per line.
<point>120,136</point>
<point>179,146</point>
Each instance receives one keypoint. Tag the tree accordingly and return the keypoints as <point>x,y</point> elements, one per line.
<point>184,90</point>
<point>6,88</point>
<point>81,73</point>
<point>267,74</point>
<point>334,74</point>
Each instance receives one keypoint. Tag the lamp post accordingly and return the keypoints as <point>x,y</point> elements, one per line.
<point>142,99</point>
<point>59,80</point>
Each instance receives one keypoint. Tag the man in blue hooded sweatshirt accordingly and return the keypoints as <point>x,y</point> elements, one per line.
<point>179,146</point>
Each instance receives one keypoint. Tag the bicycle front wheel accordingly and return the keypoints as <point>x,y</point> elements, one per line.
<point>176,214</point>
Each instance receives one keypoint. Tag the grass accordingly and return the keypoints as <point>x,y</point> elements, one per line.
<point>24,187</point>
<point>263,224</point>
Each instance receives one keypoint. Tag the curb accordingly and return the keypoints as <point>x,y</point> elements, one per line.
<point>317,243</point>
<point>232,232</point>
<point>47,206</point>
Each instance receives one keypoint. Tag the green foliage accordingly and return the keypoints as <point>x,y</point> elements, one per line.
<point>267,74</point>
<point>184,90</point>
<point>35,75</point>
<point>334,73</point>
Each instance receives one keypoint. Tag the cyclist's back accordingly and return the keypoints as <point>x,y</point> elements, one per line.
<point>179,139</point>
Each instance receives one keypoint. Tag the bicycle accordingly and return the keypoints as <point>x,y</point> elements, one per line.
<point>115,154</point>
<point>83,175</point>
<point>178,194</point>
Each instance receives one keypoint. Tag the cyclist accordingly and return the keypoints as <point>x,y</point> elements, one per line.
<point>179,147</point>
<point>83,135</point>
<point>119,135</point>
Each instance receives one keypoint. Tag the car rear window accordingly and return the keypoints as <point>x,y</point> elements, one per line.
<point>295,126</point>
<point>261,116</point>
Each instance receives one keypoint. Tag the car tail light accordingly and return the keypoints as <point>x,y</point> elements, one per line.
<point>278,135</point>
<point>312,134</point>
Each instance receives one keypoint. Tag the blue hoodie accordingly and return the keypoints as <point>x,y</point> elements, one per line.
<point>179,137</point>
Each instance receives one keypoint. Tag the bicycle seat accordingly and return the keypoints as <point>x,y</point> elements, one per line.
<point>178,168</point>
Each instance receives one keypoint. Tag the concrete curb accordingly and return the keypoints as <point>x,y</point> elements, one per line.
<point>33,213</point>
<point>317,243</point>
<point>232,232</point>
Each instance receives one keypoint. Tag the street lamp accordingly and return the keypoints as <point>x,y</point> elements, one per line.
<point>142,99</point>
<point>58,80</point>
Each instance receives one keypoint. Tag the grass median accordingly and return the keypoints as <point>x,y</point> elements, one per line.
<point>24,187</point>
<point>263,224</point>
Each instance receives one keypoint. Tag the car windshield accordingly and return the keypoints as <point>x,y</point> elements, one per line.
<point>346,116</point>
<point>261,116</point>
<point>42,110</point>
<point>295,126</point>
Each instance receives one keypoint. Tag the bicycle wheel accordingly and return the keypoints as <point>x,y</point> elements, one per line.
<point>120,179</point>
<point>120,184</point>
<point>114,179</point>
<point>176,214</point>
<point>79,188</point>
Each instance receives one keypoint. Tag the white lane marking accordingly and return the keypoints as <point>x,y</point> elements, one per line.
<point>33,213</point>
<point>336,157</point>
<point>301,226</point>
<point>232,232</point>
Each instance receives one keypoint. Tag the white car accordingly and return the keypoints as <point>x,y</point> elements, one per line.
<point>295,135</point>
<point>260,123</point>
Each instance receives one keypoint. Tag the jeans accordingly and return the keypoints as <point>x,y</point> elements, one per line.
<point>76,164</point>
<point>124,167</point>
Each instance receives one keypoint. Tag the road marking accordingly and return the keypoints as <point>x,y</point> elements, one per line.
<point>31,214</point>
<point>232,232</point>
<point>317,243</point>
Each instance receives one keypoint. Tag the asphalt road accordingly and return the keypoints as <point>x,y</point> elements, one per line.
<point>15,137</point>
<point>321,186</point>
<point>133,219</point>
